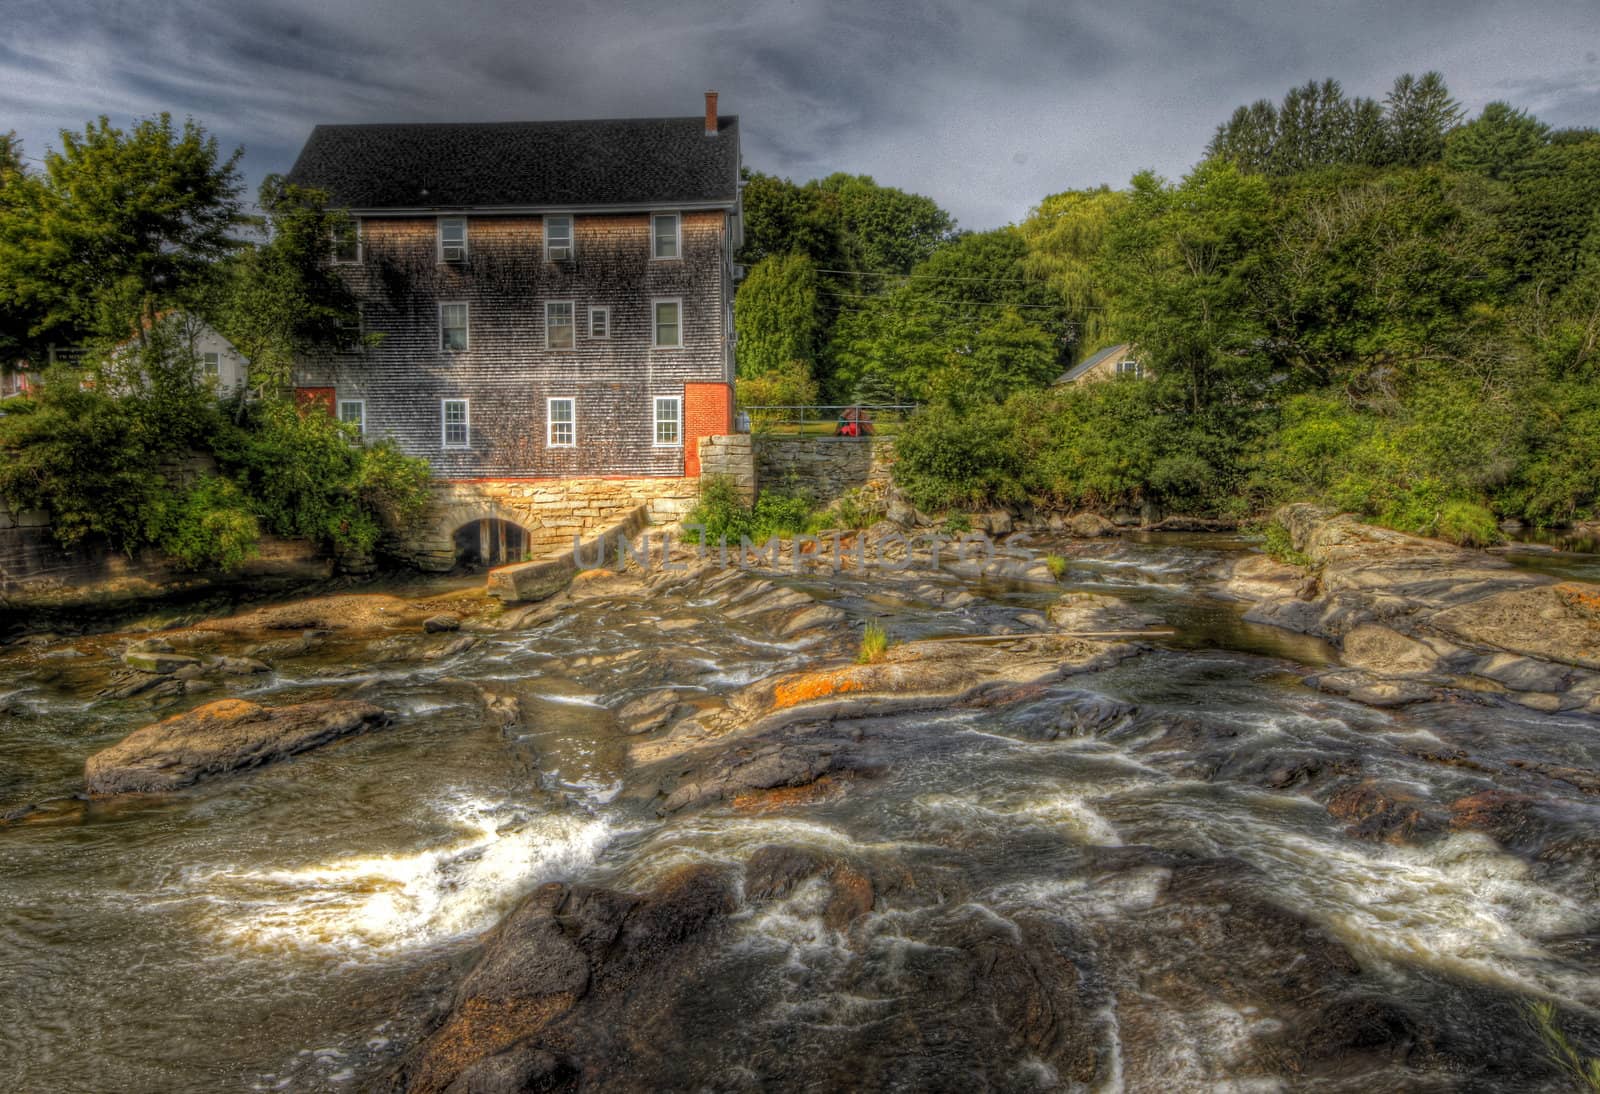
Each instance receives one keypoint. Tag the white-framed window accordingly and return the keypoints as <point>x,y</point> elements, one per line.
<point>561,423</point>
<point>212,363</point>
<point>666,231</point>
<point>452,239</point>
<point>1129,368</point>
<point>559,329</point>
<point>347,243</point>
<point>455,423</point>
<point>669,421</point>
<point>453,327</point>
<point>557,237</point>
<point>354,411</point>
<point>666,320</point>
<point>599,322</point>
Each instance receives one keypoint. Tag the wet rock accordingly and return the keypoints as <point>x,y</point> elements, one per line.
<point>150,645</point>
<point>285,647</point>
<point>766,766</point>
<point>648,712</point>
<point>1374,691</point>
<point>199,687</point>
<point>1383,811</point>
<point>503,710</point>
<point>1388,652</point>
<point>1087,714</point>
<point>221,737</point>
<point>190,672</point>
<point>450,649</point>
<point>440,624</point>
<point>1090,612</point>
<point>127,685</point>
<point>158,663</point>
<point>1090,526</point>
<point>240,666</point>
<point>900,515</point>
<point>568,977</point>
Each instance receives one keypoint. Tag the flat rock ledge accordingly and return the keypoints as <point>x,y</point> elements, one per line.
<point>1415,617</point>
<point>219,738</point>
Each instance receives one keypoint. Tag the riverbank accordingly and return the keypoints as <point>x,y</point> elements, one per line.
<point>722,853</point>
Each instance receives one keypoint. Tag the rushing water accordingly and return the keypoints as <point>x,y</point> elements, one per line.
<point>291,928</point>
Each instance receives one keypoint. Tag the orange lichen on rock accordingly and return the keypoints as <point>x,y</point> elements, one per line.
<point>815,685</point>
<point>1584,599</point>
<point>785,797</point>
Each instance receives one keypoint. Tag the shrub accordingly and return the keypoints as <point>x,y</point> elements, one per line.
<point>720,511</point>
<point>947,457</point>
<point>874,644</point>
<point>1468,525</point>
<point>307,476</point>
<point>1278,544</point>
<point>854,511</point>
<point>210,525</point>
<point>1057,565</point>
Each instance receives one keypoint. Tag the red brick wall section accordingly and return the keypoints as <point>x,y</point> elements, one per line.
<point>707,412</point>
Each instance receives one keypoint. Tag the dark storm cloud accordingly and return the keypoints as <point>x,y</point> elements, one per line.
<point>985,108</point>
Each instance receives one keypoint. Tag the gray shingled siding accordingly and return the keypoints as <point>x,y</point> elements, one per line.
<point>506,373</point>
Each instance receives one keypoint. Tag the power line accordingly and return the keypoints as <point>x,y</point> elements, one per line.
<point>964,303</point>
<point>941,277</point>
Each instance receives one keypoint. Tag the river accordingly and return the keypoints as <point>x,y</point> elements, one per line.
<point>298,926</point>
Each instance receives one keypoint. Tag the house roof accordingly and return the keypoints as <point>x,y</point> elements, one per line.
<point>623,162</point>
<point>1077,370</point>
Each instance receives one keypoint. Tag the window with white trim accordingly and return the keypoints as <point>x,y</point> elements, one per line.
<point>665,235</point>
<point>559,332</point>
<point>453,327</point>
<point>452,239</point>
<point>347,243</point>
<point>669,421</point>
<point>354,411</point>
<point>557,238</point>
<point>667,323</point>
<point>561,423</point>
<point>212,363</point>
<point>599,322</point>
<point>1129,368</point>
<point>455,423</point>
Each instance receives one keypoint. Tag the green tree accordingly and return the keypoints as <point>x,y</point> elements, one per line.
<point>1181,263</point>
<point>1421,114</point>
<point>969,323</point>
<point>1066,238</point>
<point>118,225</point>
<point>1497,143</point>
<point>778,315</point>
<point>284,298</point>
<point>889,230</point>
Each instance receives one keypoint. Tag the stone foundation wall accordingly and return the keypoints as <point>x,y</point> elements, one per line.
<point>731,456</point>
<point>826,468</point>
<point>550,511</point>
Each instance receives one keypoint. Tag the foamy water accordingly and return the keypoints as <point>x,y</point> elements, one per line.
<point>377,904</point>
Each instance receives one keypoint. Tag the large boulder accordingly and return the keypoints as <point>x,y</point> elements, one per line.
<point>220,737</point>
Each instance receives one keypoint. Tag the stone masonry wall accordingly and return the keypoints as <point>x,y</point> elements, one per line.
<point>550,511</point>
<point>732,457</point>
<point>826,468</point>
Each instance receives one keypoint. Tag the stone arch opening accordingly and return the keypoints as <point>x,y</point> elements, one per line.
<point>489,541</point>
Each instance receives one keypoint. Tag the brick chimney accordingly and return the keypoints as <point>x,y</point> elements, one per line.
<point>711,113</point>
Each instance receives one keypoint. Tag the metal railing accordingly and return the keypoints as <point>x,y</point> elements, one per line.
<point>828,421</point>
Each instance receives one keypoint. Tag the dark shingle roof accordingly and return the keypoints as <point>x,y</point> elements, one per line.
<point>637,161</point>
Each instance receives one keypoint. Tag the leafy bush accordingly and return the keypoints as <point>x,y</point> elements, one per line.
<point>854,510</point>
<point>1466,524</point>
<point>724,515</point>
<point>209,525</point>
<point>1278,544</point>
<point>306,476</point>
<point>947,457</point>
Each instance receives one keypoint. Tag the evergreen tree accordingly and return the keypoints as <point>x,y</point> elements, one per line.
<point>1420,114</point>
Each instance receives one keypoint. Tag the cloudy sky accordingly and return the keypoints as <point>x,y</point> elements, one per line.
<point>984,107</point>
